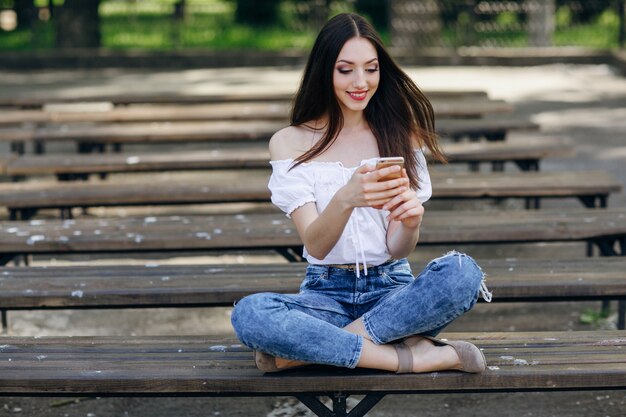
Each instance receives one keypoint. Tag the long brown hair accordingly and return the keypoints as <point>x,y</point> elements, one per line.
<point>397,113</point>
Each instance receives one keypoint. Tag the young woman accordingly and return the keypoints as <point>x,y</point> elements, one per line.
<point>359,304</point>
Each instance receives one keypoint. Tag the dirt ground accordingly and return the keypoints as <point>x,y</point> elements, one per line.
<point>585,103</point>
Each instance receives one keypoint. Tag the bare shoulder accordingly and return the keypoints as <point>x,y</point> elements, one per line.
<point>290,142</point>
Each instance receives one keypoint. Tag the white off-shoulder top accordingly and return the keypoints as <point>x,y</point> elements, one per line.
<point>363,240</point>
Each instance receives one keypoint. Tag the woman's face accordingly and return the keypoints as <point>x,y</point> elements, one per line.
<point>356,75</point>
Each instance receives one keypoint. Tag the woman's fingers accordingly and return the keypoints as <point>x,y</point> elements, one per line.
<point>375,193</point>
<point>383,197</point>
<point>383,172</point>
<point>404,206</point>
<point>382,186</point>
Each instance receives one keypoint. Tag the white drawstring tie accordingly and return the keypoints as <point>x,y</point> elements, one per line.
<point>358,244</point>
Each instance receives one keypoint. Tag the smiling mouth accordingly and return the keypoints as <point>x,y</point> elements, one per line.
<point>357,95</point>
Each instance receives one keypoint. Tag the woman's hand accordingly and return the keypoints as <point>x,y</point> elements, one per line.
<point>405,207</point>
<point>364,190</point>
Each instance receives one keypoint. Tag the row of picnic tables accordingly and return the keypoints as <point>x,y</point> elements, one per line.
<point>235,133</point>
<point>231,165</point>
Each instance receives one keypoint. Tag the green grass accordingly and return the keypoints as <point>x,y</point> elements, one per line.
<point>204,31</point>
<point>602,33</point>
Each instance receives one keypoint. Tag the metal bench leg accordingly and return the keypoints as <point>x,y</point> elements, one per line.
<point>497,166</point>
<point>621,315</point>
<point>17,147</point>
<point>528,164</point>
<point>5,321</point>
<point>339,405</point>
<point>594,201</point>
<point>607,247</point>
<point>6,258</point>
<point>533,203</point>
<point>39,147</point>
<point>22,214</point>
<point>22,259</point>
<point>66,213</point>
<point>496,136</point>
<point>291,254</point>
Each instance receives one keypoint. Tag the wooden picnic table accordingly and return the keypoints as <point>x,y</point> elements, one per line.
<point>492,129</point>
<point>525,153</point>
<point>23,200</point>
<point>37,101</point>
<point>214,285</point>
<point>218,366</point>
<point>218,111</point>
<point>606,228</point>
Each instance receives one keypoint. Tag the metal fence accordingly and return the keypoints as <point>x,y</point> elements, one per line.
<point>456,23</point>
<point>514,23</point>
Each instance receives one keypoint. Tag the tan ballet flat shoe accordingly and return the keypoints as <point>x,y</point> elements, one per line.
<point>472,358</point>
<point>265,362</point>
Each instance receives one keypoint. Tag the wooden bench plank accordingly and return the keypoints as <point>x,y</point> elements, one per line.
<point>537,361</point>
<point>251,186</point>
<point>274,231</point>
<point>35,101</point>
<point>218,111</point>
<point>153,285</point>
<point>256,155</point>
<point>5,161</point>
<point>228,131</point>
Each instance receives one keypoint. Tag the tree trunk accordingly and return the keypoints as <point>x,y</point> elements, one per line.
<point>621,10</point>
<point>78,24</point>
<point>257,12</point>
<point>540,22</point>
<point>26,13</point>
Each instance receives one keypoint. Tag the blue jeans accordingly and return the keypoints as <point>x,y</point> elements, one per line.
<point>392,303</point>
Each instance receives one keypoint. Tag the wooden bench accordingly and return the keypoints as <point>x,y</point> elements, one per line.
<point>80,113</point>
<point>525,153</point>
<point>605,228</point>
<point>153,285</point>
<point>23,200</point>
<point>95,137</point>
<point>205,366</point>
<point>38,101</point>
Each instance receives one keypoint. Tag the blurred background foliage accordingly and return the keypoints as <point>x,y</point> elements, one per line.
<point>285,24</point>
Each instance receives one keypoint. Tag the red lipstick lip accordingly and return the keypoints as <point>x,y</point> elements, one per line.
<point>352,93</point>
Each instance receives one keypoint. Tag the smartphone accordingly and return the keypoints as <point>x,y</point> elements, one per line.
<point>387,162</point>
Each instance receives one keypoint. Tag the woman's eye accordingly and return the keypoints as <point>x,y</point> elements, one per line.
<point>344,71</point>
<point>372,70</point>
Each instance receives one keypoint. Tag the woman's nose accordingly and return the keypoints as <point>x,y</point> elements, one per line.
<point>359,80</point>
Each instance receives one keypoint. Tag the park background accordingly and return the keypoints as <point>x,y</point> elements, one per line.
<point>100,30</point>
